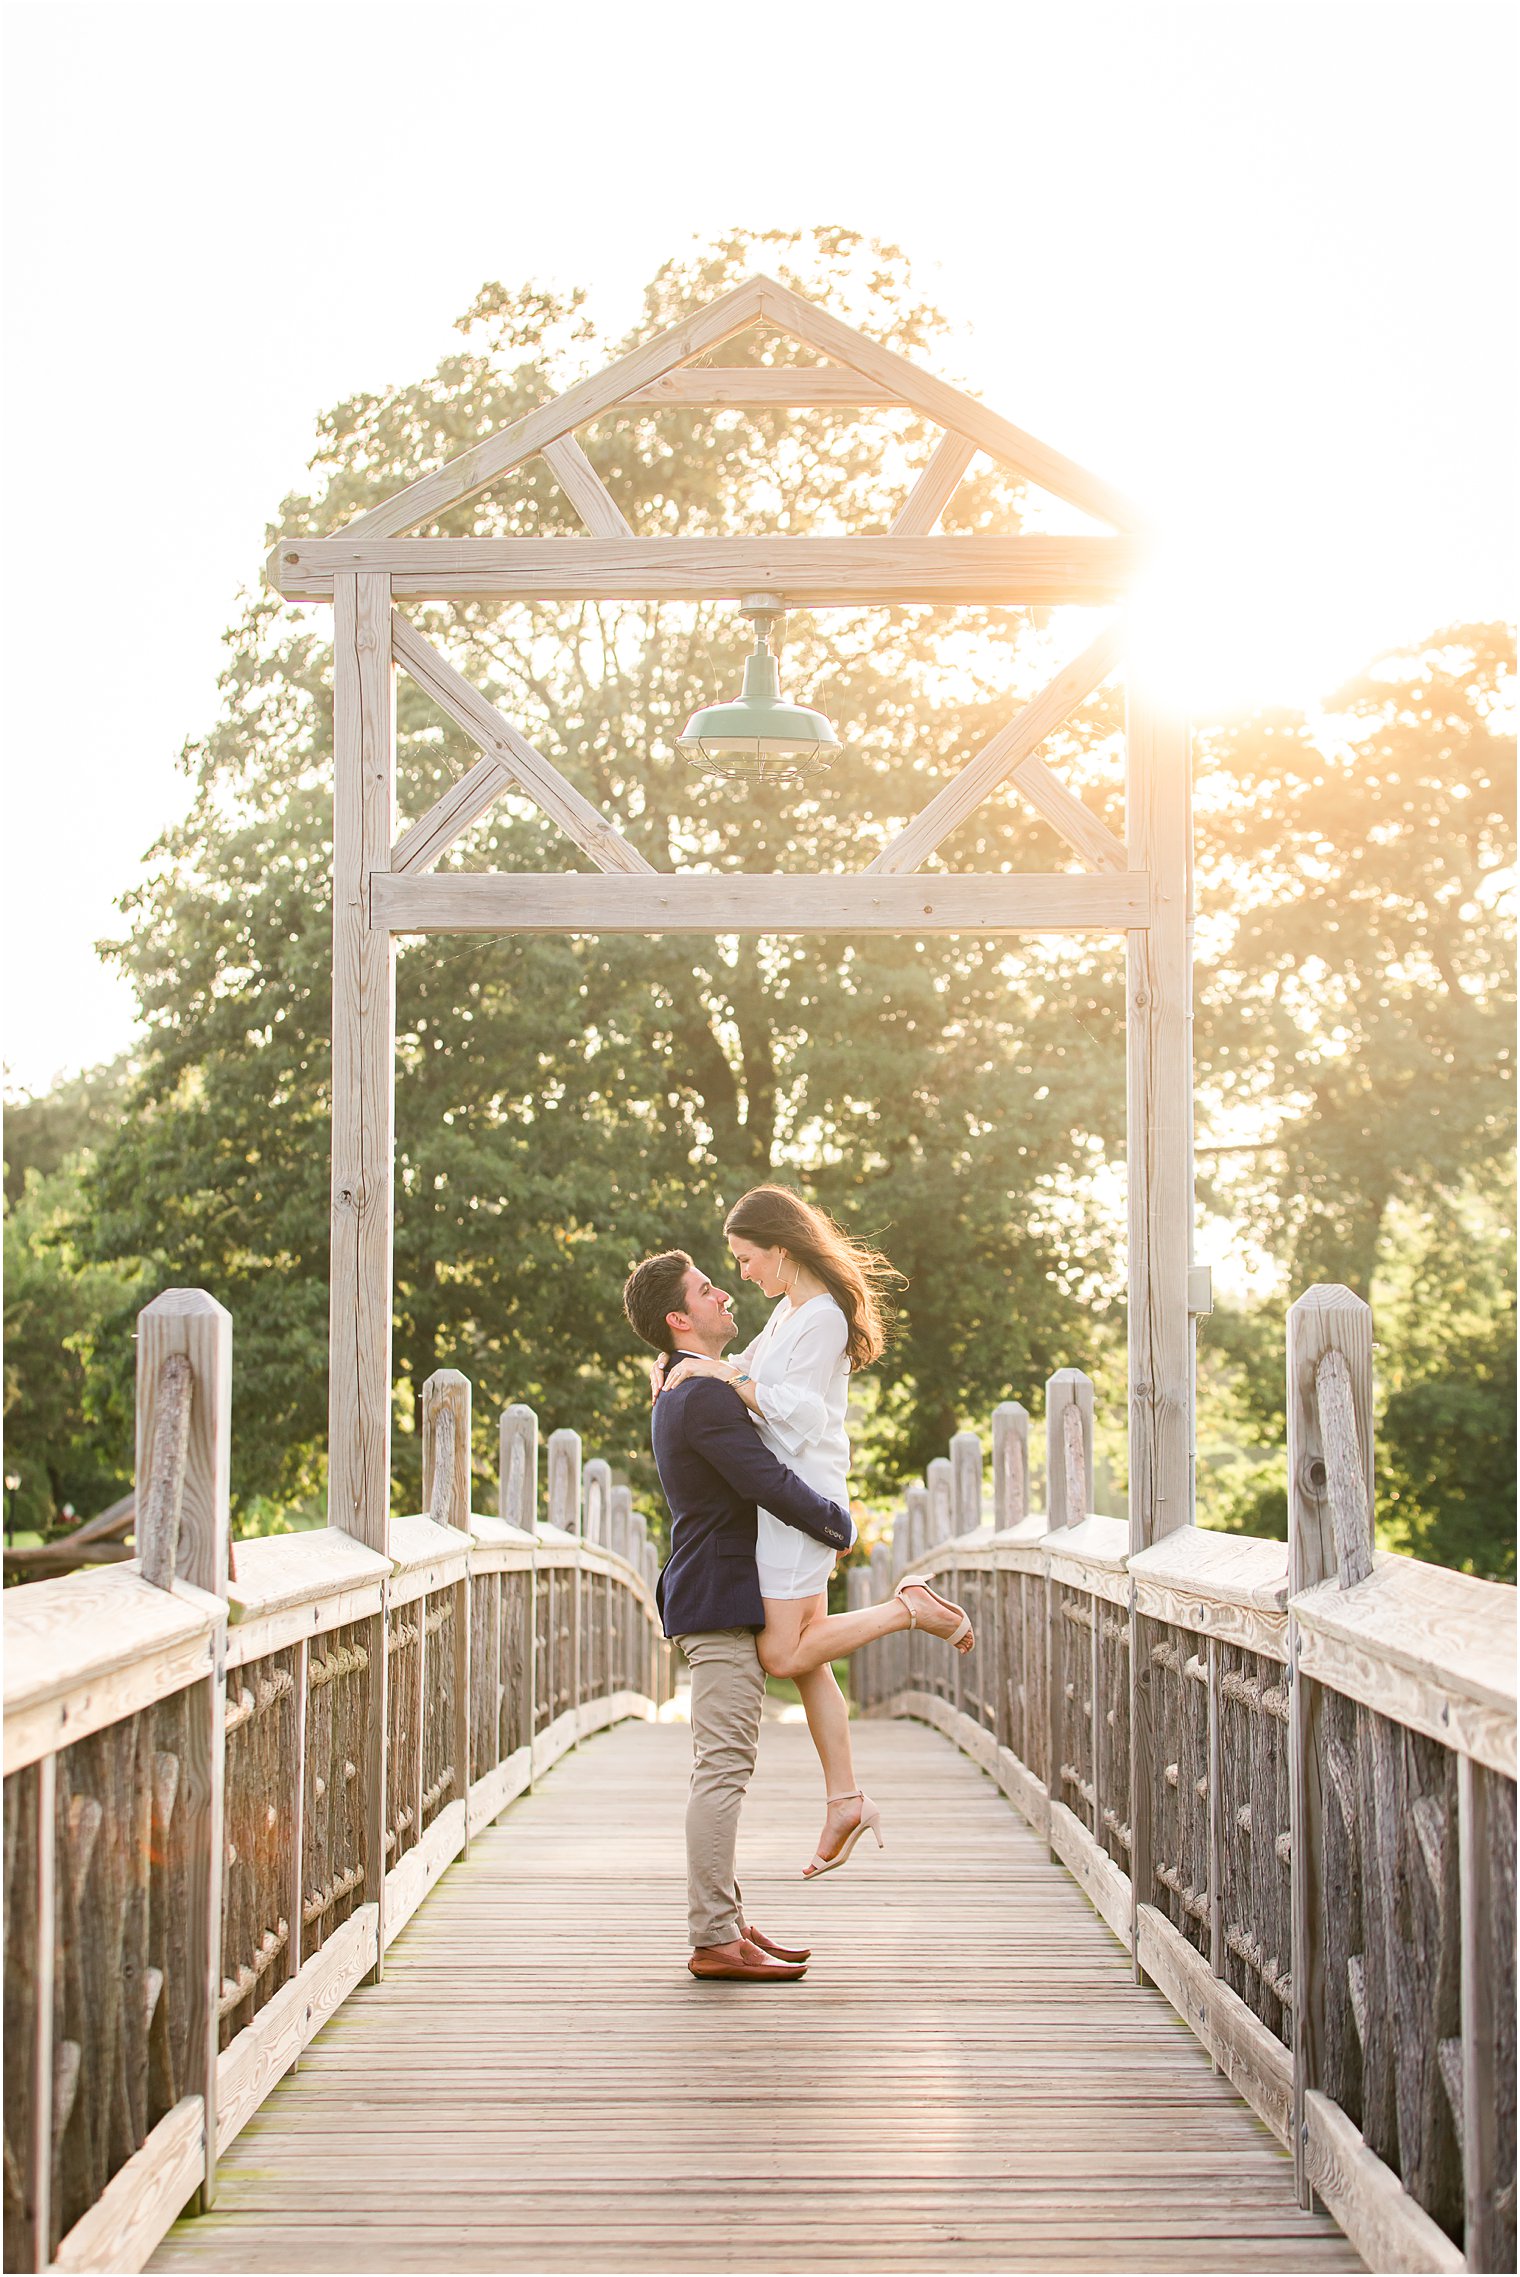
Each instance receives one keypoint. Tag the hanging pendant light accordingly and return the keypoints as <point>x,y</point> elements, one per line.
<point>757,736</point>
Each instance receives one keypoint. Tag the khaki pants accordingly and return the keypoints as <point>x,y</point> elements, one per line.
<point>727,1687</point>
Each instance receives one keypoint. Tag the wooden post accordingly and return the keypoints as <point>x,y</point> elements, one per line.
<point>1216,1818</point>
<point>518,1505</point>
<point>46,1895</point>
<point>1481,2175</point>
<point>966,1482</point>
<point>917,1501</point>
<point>1010,1464</point>
<point>1324,1321</point>
<point>448,1392</point>
<point>296,1894</point>
<point>597,1494</point>
<point>1068,1447</point>
<point>941,1509</point>
<point>188,1322</point>
<point>363,1061</point>
<point>620,1520</point>
<point>363,1123</point>
<point>1160,1054</point>
<point>565,1512</point>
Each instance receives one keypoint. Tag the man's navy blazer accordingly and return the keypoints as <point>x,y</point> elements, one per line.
<point>715,1469</point>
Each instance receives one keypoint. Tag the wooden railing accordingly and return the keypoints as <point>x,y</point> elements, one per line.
<point>226,1790</point>
<point>1284,1775</point>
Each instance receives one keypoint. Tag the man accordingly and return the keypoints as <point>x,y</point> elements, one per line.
<point>715,1470</point>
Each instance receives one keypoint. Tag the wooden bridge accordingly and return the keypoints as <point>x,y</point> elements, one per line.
<point>1193,1946</point>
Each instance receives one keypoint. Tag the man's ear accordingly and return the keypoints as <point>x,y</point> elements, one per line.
<point>670,1322</point>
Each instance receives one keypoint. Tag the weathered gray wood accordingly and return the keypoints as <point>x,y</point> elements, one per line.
<point>158,1510</point>
<point>1324,1320</point>
<point>1482,2002</point>
<point>518,1502</point>
<point>597,1494</point>
<point>1346,1468</point>
<point>191,1324</point>
<point>1011,755</point>
<point>446,1480</point>
<point>966,1464</point>
<point>1010,1464</point>
<point>620,1521</point>
<point>363,1063</point>
<point>763,387</point>
<point>409,2074</point>
<point>1364,2194</point>
<point>1025,901</point>
<point>916,1510</point>
<point>446,1448</point>
<point>1068,1450</point>
<point>806,573</point>
<point>935,487</point>
<point>937,1478</point>
<point>1160,1057</point>
<point>948,406</point>
<point>1435,1650</point>
<point>44,1896</point>
<point>565,1481</point>
<point>509,761</point>
<point>584,488</point>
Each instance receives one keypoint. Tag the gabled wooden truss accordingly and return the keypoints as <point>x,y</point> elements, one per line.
<point>385,883</point>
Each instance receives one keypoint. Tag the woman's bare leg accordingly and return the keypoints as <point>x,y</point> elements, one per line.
<point>825,1706</point>
<point>799,1636</point>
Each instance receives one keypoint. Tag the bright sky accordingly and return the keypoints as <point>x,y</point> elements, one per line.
<point>1251,259</point>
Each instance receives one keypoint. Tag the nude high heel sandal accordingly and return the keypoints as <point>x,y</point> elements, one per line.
<point>870,1817</point>
<point>960,1636</point>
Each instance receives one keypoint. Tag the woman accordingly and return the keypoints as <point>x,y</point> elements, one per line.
<point>794,1378</point>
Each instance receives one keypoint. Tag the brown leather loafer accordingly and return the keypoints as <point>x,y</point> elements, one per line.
<point>743,1963</point>
<point>778,1952</point>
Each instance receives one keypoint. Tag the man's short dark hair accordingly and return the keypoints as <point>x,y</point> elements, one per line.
<point>652,1290</point>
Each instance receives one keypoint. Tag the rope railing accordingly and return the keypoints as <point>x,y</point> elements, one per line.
<point>225,1795</point>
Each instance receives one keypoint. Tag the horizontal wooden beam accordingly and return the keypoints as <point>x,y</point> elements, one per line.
<point>1022,902</point>
<point>802,387</point>
<point>807,572</point>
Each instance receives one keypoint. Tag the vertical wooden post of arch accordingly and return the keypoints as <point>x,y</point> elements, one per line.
<point>363,1121</point>
<point>1159,1033</point>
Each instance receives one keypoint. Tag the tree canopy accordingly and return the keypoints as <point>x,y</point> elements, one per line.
<point>566,1105</point>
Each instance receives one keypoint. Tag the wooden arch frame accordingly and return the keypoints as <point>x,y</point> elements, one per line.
<point>383,883</point>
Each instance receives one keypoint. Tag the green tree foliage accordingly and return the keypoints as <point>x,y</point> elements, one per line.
<point>68,1438</point>
<point>1356,997</point>
<point>565,1105</point>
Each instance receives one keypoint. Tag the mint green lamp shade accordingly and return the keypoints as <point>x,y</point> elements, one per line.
<point>757,735</point>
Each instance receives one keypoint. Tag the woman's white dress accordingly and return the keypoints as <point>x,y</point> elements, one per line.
<point>801,1384</point>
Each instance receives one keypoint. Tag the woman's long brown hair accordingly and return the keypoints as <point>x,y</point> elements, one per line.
<point>856,1276</point>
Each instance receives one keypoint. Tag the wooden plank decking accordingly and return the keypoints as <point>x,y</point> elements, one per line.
<point>968,2078</point>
